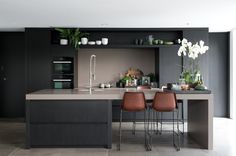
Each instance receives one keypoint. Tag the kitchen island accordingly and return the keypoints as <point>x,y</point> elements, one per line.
<point>76,118</point>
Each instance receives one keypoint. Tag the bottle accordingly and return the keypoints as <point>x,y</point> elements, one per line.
<point>181,79</point>
<point>201,80</point>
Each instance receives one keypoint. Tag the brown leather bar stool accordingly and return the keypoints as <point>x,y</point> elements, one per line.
<point>139,88</point>
<point>133,102</point>
<point>166,102</point>
<point>180,104</point>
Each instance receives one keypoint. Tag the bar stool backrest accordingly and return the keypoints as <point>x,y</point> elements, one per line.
<point>133,101</point>
<point>164,101</point>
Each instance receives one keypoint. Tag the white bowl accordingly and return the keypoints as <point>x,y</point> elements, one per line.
<point>98,42</point>
<point>63,42</point>
<point>91,43</point>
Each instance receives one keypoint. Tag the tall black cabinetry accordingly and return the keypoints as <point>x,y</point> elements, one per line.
<point>40,52</point>
<point>38,59</point>
<point>12,74</point>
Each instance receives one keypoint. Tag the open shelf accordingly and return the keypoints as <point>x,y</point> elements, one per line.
<point>127,46</point>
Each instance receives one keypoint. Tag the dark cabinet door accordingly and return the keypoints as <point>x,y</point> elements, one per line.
<point>39,59</point>
<point>12,74</point>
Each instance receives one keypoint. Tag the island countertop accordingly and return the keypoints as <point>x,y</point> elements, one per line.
<point>106,94</point>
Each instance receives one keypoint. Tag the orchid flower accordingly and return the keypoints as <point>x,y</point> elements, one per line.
<point>192,51</point>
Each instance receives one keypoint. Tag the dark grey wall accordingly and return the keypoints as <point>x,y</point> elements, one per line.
<point>195,35</point>
<point>219,72</point>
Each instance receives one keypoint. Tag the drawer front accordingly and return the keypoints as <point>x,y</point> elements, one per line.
<point>68,135</point>
<point>69,111</point>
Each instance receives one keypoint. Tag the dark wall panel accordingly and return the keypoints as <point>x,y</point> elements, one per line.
<point>12,74</point>
<point>38,43</point>
<point>219,72</point>
<point>169,65</point>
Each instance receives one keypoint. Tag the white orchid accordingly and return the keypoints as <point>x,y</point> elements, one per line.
<point>193,51</point>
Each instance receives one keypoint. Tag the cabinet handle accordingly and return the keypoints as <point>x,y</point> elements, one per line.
<point>61,62</point>
<point>62,80</point>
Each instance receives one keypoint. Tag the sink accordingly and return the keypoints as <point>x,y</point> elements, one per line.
<point>93,89</point>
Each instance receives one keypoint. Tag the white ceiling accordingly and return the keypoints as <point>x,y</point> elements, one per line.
<point>218,15</point>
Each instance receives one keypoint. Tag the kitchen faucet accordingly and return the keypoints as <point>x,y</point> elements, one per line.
<point>92,67</point>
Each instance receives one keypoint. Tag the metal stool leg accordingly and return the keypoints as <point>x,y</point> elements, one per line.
<point>120,130</point>
<point>178,134</point>
<point>155,120</point>
<point>173,131</point>
<point>183,117</point>
<point>161,125</point>
<point>134,123</point>
<point>148,138</point>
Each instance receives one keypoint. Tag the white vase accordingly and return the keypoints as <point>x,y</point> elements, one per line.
<point>63,42</point>
<point>104,41</point>
<point>84,41</point>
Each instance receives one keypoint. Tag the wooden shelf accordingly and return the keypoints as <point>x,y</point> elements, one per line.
<point>126,46</point>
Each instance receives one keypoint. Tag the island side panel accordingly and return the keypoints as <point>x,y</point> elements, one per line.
<point>68,123</point>
<point>198,122</point>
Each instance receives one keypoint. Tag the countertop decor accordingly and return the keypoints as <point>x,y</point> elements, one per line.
<point>191,73</point>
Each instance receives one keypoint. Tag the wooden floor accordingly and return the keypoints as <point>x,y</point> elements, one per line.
<point>12,138</point>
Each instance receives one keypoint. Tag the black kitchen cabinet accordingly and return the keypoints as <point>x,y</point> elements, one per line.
<point>68,123</point>
<point>38,59</point>
<point>12,74</point>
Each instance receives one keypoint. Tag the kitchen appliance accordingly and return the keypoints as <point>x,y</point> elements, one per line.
<point>63,82</point>
<point>63,73</point>
<point>63,65</point>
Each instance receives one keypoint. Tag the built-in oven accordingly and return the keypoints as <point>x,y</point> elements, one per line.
<point>63,81</point>
<point>63,65</point>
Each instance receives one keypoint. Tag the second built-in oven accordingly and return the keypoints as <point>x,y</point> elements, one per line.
<point>63,82</point>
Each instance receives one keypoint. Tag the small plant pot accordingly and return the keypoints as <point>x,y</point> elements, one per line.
<point>63,42</point>
<point>84,40</point>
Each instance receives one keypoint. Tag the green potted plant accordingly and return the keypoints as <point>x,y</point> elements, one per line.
<point>72,35</point>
